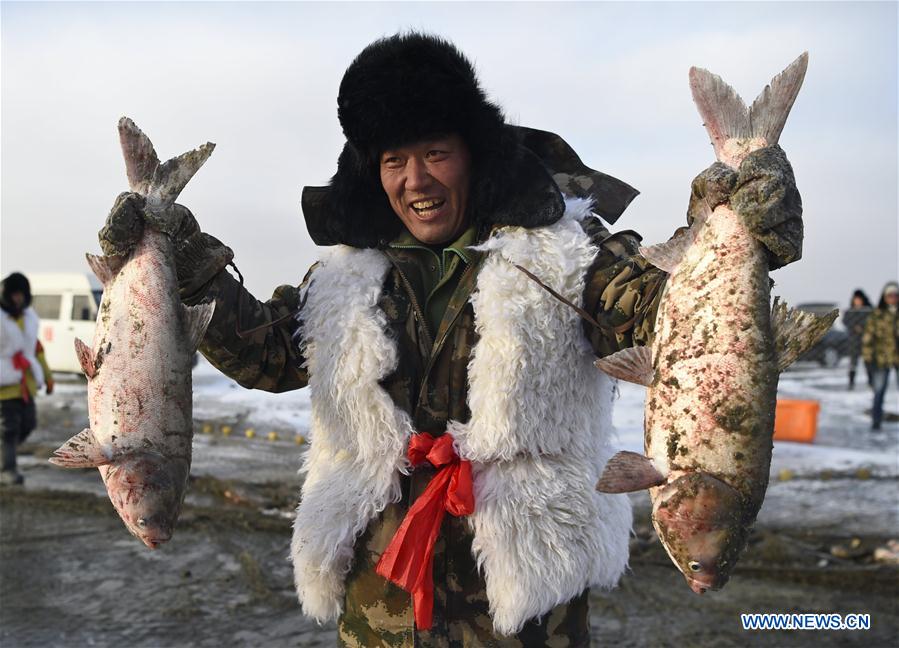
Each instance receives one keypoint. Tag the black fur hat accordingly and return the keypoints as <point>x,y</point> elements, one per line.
<point>15,282</point>
<point>399,90</point>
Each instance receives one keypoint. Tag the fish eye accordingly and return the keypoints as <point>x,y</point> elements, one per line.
<point>694,566</point>
<point>141,522</point>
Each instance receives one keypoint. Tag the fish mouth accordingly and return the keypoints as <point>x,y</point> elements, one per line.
<point>153,542</point>
<point>701,586</point>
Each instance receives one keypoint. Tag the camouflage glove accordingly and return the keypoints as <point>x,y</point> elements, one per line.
<point>199,257</point>
<point>763,191</point>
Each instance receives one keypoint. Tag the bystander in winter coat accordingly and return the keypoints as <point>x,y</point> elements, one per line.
<point>23,371</point>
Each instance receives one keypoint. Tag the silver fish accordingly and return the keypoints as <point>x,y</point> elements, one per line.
<point>139,366</point>
<point>713,367</point>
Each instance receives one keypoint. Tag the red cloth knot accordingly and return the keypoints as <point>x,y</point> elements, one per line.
<point>20,362</point>
<point>408,559</point>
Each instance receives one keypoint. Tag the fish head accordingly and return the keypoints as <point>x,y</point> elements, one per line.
<point>146,489</point>
<point>701,525</point>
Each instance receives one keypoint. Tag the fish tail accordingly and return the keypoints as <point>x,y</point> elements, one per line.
<point>140,156</point>
<point>160,183</point>
<point>726,117</point>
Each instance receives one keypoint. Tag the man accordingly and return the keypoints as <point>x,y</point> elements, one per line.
<point>443,378</point>
<point>23,371</point>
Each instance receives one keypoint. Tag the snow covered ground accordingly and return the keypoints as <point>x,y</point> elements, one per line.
<point>844,441</point>
<point>217,396</point>
<point>847,481</point>
<point>224,576</point>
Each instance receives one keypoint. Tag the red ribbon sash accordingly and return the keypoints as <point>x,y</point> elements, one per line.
<point>408,560</point>
<point>20,362</point>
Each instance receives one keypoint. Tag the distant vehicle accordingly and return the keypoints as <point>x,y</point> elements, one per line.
<point>67,304</point>
<point>831,348</point>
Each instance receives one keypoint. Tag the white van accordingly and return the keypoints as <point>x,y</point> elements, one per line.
<point>66,303</point>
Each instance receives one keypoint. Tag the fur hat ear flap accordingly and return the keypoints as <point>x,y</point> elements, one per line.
<point>527,197</point>
<point>353,209</point>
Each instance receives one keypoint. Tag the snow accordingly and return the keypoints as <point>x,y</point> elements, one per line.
<point>218,397</point>
<point>844,442</point>
<point>846,482</point>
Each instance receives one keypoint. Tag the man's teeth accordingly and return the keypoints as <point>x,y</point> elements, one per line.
<point>424,205</point>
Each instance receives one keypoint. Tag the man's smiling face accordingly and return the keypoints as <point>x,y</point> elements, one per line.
<point>427,184</point>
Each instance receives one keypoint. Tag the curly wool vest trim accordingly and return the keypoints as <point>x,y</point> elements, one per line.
<point>538,435</point>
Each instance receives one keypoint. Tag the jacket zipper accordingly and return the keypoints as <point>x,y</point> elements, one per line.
<point>430,364</point>
<point>435,349</point>
<point>416,307</point>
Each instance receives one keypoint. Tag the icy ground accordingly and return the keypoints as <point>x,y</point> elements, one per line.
<point>70,575</point>
<point>847,480</point>
<point>847,476</point>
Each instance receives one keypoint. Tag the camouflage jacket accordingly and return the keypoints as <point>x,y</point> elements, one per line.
<point>431,384</point>
<point>880,341</point>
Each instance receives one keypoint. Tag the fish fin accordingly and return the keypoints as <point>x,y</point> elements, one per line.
<point>769,111</point>
<point>86,358</point>
<point>627,472</point>
<point>632,365</point>
<point>106,267</point>
<point>723,112</point>
<point>196,319</point>
<point>81,451</point>
<point>667,255</point>
<point>140,156</point>
<point>795,331</point>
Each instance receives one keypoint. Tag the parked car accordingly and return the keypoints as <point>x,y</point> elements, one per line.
<point>831,348</point>
<point>67,304</point>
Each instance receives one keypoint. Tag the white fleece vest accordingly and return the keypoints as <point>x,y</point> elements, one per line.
<point>538,435</point>
<point>14,339</point>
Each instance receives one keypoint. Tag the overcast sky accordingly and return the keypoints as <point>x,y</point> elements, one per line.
<point>260,80</point>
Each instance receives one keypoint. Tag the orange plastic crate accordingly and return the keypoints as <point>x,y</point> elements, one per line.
<point>796,420</point>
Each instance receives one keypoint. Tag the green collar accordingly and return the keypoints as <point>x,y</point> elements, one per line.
<point>460,246</point>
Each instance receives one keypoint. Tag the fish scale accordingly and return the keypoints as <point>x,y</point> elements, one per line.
<point>710,380</point>
<point>712,372</point>
<point>139,365</point>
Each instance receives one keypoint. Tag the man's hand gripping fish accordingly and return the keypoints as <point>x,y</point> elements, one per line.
<point>713,367</point>
<point>139,367</point>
